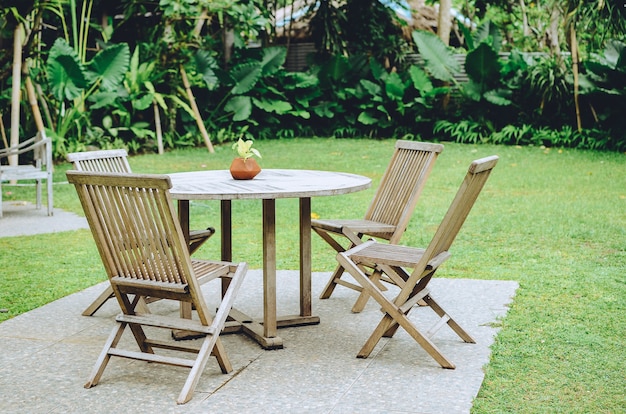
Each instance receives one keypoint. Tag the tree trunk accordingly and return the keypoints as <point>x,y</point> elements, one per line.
<point>553,31</point>
<point>444,22</point>
<point>525,26</point>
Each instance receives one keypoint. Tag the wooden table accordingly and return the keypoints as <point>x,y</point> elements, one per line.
<point>268,186</point>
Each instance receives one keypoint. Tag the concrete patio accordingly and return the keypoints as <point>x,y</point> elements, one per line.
<point>47,354</point>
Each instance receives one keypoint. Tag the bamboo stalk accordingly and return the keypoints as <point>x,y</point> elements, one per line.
<point>157,127</point>
<point>196,111</point>
<point>3,132</point>
<point>32,100</point>
<point>575,69</point>
<point>16,90</point>
<point>43,104</point>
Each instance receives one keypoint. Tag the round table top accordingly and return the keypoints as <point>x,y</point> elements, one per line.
<point>269,184</point>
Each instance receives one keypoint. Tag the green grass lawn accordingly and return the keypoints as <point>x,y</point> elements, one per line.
<point>555,221</point>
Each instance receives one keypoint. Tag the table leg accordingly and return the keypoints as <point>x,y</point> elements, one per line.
<point>183,217</point>
<point>226,223</point>
<point>305,257</point>
<point>227,226</point>
<point>269,268</point>
<point>185,307</point>
<point>266,334</point>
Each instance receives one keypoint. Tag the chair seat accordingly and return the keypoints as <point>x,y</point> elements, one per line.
<point>21,172</point>
<point>369,227</point>
<point>392,255</point>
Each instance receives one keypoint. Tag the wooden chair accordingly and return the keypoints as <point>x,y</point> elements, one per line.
<point>389,211</point>
<point>394,259</point>
<point>116,160</point>
<point>38,168</point>
<point>140,241</point>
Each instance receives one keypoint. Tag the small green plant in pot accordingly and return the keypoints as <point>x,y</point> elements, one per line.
<point>244,166</point>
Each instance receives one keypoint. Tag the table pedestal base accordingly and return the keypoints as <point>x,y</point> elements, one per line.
<point>240,322</point>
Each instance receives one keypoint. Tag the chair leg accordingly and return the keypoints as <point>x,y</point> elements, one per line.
<point>38,186</point>
<point>104,357</point>
<point>100,300</point>
<point>446,318</point>
<point>408,326</point>
<point>330,286</point>
<point>364,296</point>
<point>204,354</point>
<point>222,357</point>
<point>50,197</point>
<point>107,294</point>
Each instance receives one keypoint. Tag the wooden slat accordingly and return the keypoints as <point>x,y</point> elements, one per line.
<point>161,321</point>
<point>179,362</point>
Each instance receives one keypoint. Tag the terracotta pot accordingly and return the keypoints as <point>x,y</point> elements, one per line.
<point>244,170</point>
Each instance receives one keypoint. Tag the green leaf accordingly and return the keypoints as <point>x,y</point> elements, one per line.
<point>110,65</point>
<point>206,65</point>
<point>273,59</point>
<point>300,80</point>
<point>467,35</point>
<point>421,81</point>
<point>439,59</point>
<point>103,99</point>
<point>270,105</point>
<point>367,119</point>
<point>241,106</point>
<point>394,87</point>
<point>246,76</point>
<point>66,74</point>
<point>488,32</point>
<point>497,97</point>
<point>301,113</point>
<point>372,88</point>
<point>472,90</point>
<point>325,110</point>
<point>143,102</point>
<point>335,69</point>
<point>482,65</point>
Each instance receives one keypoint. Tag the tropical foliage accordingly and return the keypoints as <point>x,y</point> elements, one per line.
<point>134,74</point>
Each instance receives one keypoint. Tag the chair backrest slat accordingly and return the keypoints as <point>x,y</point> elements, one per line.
<point>101,161</point>
<point>475,179</point>
<point>402,184</point>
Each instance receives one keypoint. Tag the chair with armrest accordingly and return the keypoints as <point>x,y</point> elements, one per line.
<point>389,211</point>
<point>116,160</point>
<point>144,253</point>
<point>395,260</point>
<point>38,168</point>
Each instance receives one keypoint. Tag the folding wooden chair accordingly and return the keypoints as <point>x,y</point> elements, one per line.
<point>116,161</point>
<point>389,212</point>
<point>38,166</point>
<point>144,253</point>
<point>394,259</point>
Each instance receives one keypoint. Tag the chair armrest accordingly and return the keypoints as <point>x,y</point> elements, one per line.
<point>25,146</point>
<point>201,234</point>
